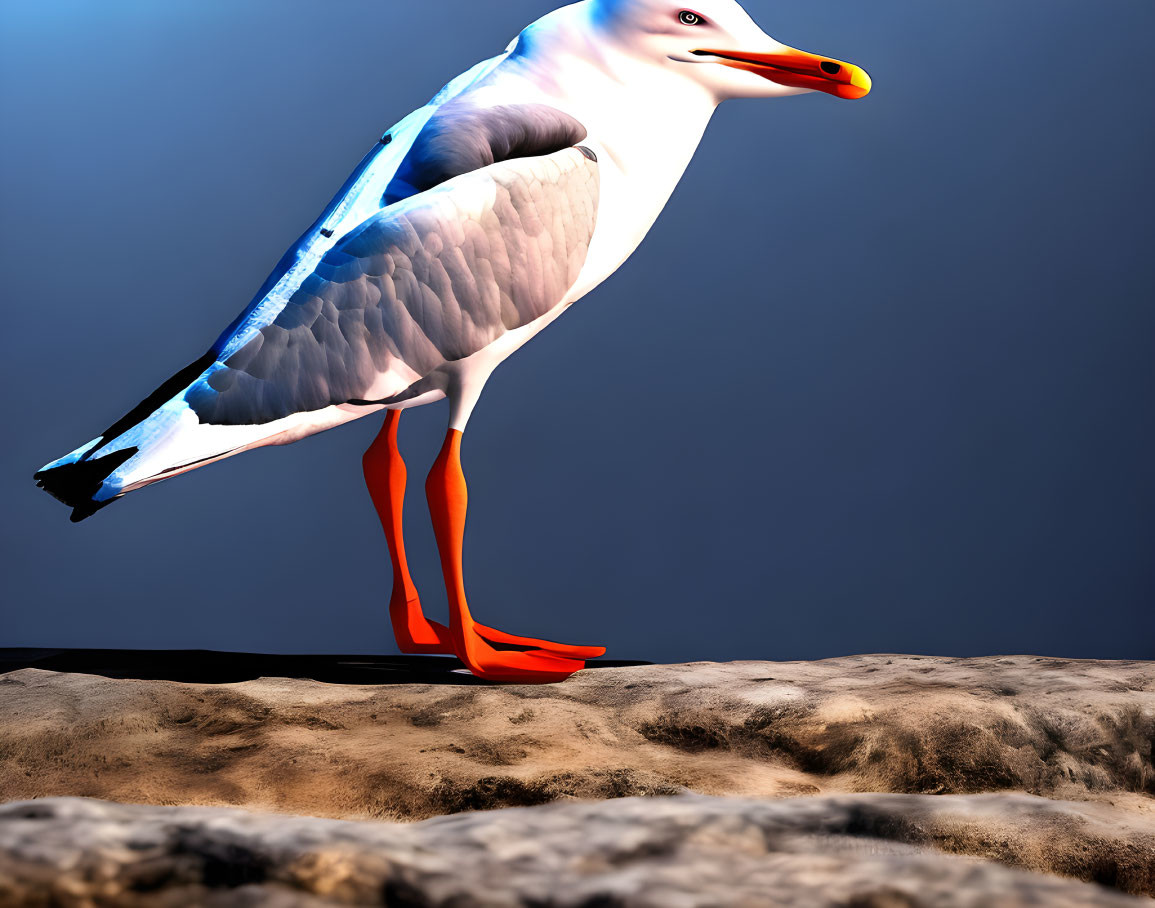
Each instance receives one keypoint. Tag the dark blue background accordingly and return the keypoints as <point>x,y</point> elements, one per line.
<point>880,379</point>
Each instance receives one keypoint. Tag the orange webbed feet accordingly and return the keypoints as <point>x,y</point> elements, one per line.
<point>530,666</point>
<point>416,634</point>
<point>566,650</point>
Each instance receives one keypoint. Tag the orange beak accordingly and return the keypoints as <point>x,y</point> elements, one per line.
<point>799,69</point>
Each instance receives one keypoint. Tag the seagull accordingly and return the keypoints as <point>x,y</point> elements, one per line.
<point>469,227</point>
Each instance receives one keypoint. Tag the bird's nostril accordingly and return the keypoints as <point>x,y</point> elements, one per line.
<point>828,67</point>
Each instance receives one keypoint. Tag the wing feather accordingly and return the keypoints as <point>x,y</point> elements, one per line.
<point>427,281</point>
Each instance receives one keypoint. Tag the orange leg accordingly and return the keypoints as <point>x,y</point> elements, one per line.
<point>535,661</point>
<point>385,476</point>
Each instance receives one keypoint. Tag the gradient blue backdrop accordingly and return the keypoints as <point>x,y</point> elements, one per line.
<point>880,379</point>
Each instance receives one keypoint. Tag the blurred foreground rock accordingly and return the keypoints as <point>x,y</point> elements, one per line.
<point>865,851</point>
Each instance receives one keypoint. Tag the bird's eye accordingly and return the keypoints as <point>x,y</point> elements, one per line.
<point>688,18</point>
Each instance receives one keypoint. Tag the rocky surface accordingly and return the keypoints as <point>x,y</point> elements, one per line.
<point>1076,730</point>
<point>865,851</point>
<point>795,747</point>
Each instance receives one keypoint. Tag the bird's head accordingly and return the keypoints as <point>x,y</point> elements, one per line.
<point>716,44</point>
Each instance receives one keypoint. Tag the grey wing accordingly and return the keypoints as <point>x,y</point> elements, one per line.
<point>427,281</point>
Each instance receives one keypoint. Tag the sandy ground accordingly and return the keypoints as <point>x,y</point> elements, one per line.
<point>428,743</point>
<point>1066,729</point>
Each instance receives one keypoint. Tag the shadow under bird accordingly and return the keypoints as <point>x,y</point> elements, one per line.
<point>474,222</point>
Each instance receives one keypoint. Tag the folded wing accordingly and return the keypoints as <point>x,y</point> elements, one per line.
<point>429,280</point>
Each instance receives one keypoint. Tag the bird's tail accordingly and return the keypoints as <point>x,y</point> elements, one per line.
<point>158,438</point>
<point>77,479</point>
<point>163,436</point>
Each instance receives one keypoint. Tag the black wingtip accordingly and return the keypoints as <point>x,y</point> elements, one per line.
<point>88,508</point>
<point>74,484</point>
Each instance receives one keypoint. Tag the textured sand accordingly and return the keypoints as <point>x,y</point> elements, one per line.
<point>1066,729</point>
